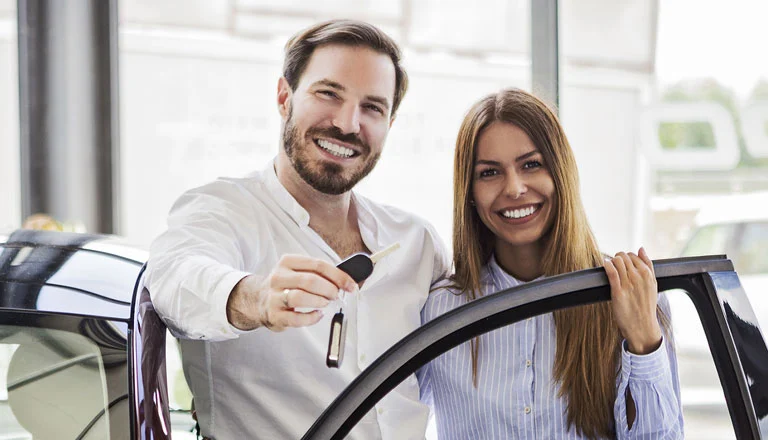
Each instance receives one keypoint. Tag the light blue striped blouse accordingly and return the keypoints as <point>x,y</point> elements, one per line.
<point>516,397</point>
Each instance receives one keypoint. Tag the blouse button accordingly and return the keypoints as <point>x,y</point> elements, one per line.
<point>527,409</point>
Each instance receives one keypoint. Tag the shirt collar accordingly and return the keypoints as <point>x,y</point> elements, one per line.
<point>284,199</point>
<point>499,277</point>
<point>368,223</point>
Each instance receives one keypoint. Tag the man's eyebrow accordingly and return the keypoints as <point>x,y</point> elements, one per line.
<point>329,83</point>
<point>334,85</point>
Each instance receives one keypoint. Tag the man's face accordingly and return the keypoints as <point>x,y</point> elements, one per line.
<point>337,119</point>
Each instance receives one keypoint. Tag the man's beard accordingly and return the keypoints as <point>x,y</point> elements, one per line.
<point>326,177</point>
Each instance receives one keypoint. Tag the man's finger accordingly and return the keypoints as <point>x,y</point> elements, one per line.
<point>300,299</point>
<point>306,281</point>
<point>293,319</point>
<point>338,277</point>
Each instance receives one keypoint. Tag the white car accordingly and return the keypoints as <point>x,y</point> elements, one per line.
<point>737,226</point>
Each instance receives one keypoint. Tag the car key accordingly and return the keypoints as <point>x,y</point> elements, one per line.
<point>359,266</point>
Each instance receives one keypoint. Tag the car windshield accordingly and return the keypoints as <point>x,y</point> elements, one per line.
<point>53,384</point>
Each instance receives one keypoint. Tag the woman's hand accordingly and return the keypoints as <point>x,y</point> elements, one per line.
<point>634,295</point>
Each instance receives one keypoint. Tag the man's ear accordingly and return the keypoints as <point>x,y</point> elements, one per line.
<point>284,94</point>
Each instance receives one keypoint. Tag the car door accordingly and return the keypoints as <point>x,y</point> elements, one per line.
<point>737,349</point>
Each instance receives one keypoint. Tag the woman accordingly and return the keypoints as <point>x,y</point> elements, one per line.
<point>599,371</point>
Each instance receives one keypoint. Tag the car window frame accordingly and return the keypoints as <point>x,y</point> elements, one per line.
<point>692,274</point>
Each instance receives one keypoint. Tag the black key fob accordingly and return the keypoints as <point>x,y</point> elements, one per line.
<point>358,266</point>
<point>336,341</point>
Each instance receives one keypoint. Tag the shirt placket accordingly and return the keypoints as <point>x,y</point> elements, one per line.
<point>528,345</point>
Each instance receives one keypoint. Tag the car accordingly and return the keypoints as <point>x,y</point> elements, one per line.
<point>83,353</point>
<point>737,226</point>
<point>81,356</point>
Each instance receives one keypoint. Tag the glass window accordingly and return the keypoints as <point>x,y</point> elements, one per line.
<point>704,94</point>
<point>752,255</point>
<point>710,240</point>
<point>198,81</point>
<point>10,196</point>
<point>704,408</point>
<point>54,384</point>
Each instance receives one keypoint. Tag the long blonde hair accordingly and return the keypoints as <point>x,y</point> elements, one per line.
<point>588,340</point>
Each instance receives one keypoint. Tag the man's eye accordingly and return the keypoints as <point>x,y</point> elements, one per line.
<point>329,93</point>
<point>374,108</point>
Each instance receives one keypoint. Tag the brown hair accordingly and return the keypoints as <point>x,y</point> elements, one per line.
<point>299,49</point>
<point>588,340</point>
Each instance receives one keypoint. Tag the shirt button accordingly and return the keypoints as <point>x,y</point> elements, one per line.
<point>380,410</point>
<point>362,357</point>
<point>527,410</point>
<point>528,363</point>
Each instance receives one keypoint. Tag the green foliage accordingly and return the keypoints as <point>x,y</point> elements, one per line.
<point>760,92</point>
<point>674,135</point>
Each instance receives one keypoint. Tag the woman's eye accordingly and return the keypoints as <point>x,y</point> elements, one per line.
<point>488,173</point>
<point>532,164</point>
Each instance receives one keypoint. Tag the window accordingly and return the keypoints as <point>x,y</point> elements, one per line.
<point>54,384</point>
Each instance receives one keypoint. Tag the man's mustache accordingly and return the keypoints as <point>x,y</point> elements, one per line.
<point>336,133</point>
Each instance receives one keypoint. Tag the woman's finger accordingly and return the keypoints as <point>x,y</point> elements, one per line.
<point>621,268</point>
<point>612,274</point>
<point>640,266</point>
<point>644,255</point>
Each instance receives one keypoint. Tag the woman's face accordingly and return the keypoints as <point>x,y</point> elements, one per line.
<point>512,187</point>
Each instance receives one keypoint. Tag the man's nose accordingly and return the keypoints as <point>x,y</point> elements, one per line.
<point>347,119</point>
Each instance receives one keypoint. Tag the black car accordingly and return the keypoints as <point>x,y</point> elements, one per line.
<point>82,352</point>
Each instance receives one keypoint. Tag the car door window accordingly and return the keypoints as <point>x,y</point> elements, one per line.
<point>727,356</point>
<point>704,406</point>
<point>53,385</point>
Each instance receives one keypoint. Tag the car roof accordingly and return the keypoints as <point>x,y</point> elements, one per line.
<point>68,273</point>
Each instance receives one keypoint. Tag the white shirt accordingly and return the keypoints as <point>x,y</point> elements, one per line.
<point>267,385</point>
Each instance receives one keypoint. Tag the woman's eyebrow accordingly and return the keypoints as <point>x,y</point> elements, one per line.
<point>527,155</point>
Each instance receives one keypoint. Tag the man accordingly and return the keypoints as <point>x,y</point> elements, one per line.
<point>240,256</point>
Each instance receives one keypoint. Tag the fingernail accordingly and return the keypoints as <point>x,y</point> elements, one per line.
<point>351,288</point>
